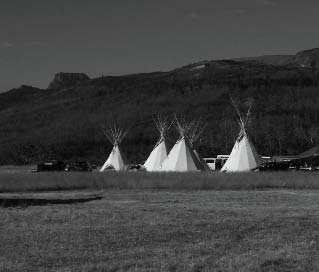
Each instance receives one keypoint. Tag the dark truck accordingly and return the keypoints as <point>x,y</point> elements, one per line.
<point>79,166</point>
<point>53,165</point>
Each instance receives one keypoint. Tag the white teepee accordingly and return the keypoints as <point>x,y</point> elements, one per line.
<point>196,129</point>
<point>116,160</point>
<point>243,156</point>
<point>182,157</point>
<point>159,153</point>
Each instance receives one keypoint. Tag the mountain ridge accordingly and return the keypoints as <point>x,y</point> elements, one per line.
<point>306,59</point>
<point>65,122</point>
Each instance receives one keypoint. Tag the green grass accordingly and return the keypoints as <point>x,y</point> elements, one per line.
<point>160,230</point>
<point>22,180</point>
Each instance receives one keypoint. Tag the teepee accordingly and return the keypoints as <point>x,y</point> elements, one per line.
<point>116,160</point>
<point>243,156</point>
<point>159,153</point>
<point>182,157</point>
<point>196,129</point>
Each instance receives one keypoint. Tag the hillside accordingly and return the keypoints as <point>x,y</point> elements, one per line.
<point>64,121</point>
<point>306,58</point>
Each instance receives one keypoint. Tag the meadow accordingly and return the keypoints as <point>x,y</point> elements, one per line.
<point>19,179</point>
<point>161,230</point>
<point>162,222</point>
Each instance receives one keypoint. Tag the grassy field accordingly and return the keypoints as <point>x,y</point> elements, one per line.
<point>19,179</point>
<point>161,230</point>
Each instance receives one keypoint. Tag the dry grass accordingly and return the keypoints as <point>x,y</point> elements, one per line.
<point>17,180</point>
<point>134,230</point>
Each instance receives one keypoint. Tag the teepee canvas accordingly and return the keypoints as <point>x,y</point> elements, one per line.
<point>116,160</point>
<point>243,156</point>
<point>196,129</point>
<point>182,157</point>
<point>159,153</point>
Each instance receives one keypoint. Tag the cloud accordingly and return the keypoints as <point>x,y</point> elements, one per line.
<point>34,43</point>
<point>266,2</point>
<point>6,45</point>
<point>239,11</point>
<point>193,15</point>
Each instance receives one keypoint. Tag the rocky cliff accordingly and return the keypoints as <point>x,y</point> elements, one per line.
<point>67,80</point>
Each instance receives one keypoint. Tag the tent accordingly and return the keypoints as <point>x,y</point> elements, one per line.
<point>116,160</point>
<point>310,157</point>
<point>243,156</point>
<point>313,152</point>
<point>196,129</point>
<point>182,157</point>
<point>159,153</point>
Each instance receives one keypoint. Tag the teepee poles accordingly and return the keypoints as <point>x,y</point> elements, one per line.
<point>163,125</point>
<point>116,160</point>
<point>115,134</point>
<point>182,126</point>
<point>243,156</point>
<point>196,130</point>
<point>159,152</point>
<point>182,157</point>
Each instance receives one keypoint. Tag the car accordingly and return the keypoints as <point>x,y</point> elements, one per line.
<point>210,162</point>
<point>220,161</point>
<point>79,166</point>
<point>53,165</point>
<point>136,167</point>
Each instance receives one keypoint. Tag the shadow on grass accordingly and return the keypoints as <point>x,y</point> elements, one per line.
<point>25,202</point>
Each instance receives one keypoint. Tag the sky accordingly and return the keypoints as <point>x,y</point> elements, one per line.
<point>39,38</point>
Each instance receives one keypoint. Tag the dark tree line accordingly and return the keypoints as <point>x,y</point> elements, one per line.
<point>66,124</point>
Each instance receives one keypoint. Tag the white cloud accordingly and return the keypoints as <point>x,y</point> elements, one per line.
<point>239,11</point>
<point>34,43</point>
<point>266,2</point>
<point>5,45</point>
<point>193,15</point>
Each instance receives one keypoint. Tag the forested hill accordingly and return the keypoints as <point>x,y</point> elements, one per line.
<point>64,121</point>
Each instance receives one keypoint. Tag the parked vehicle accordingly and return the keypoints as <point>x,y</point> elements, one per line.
<point>53,165</point>
<point>79,166</point>
<point>136,167</point>
<point>211,162</point>
<point>275,166</point>
<point>220,161</point>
